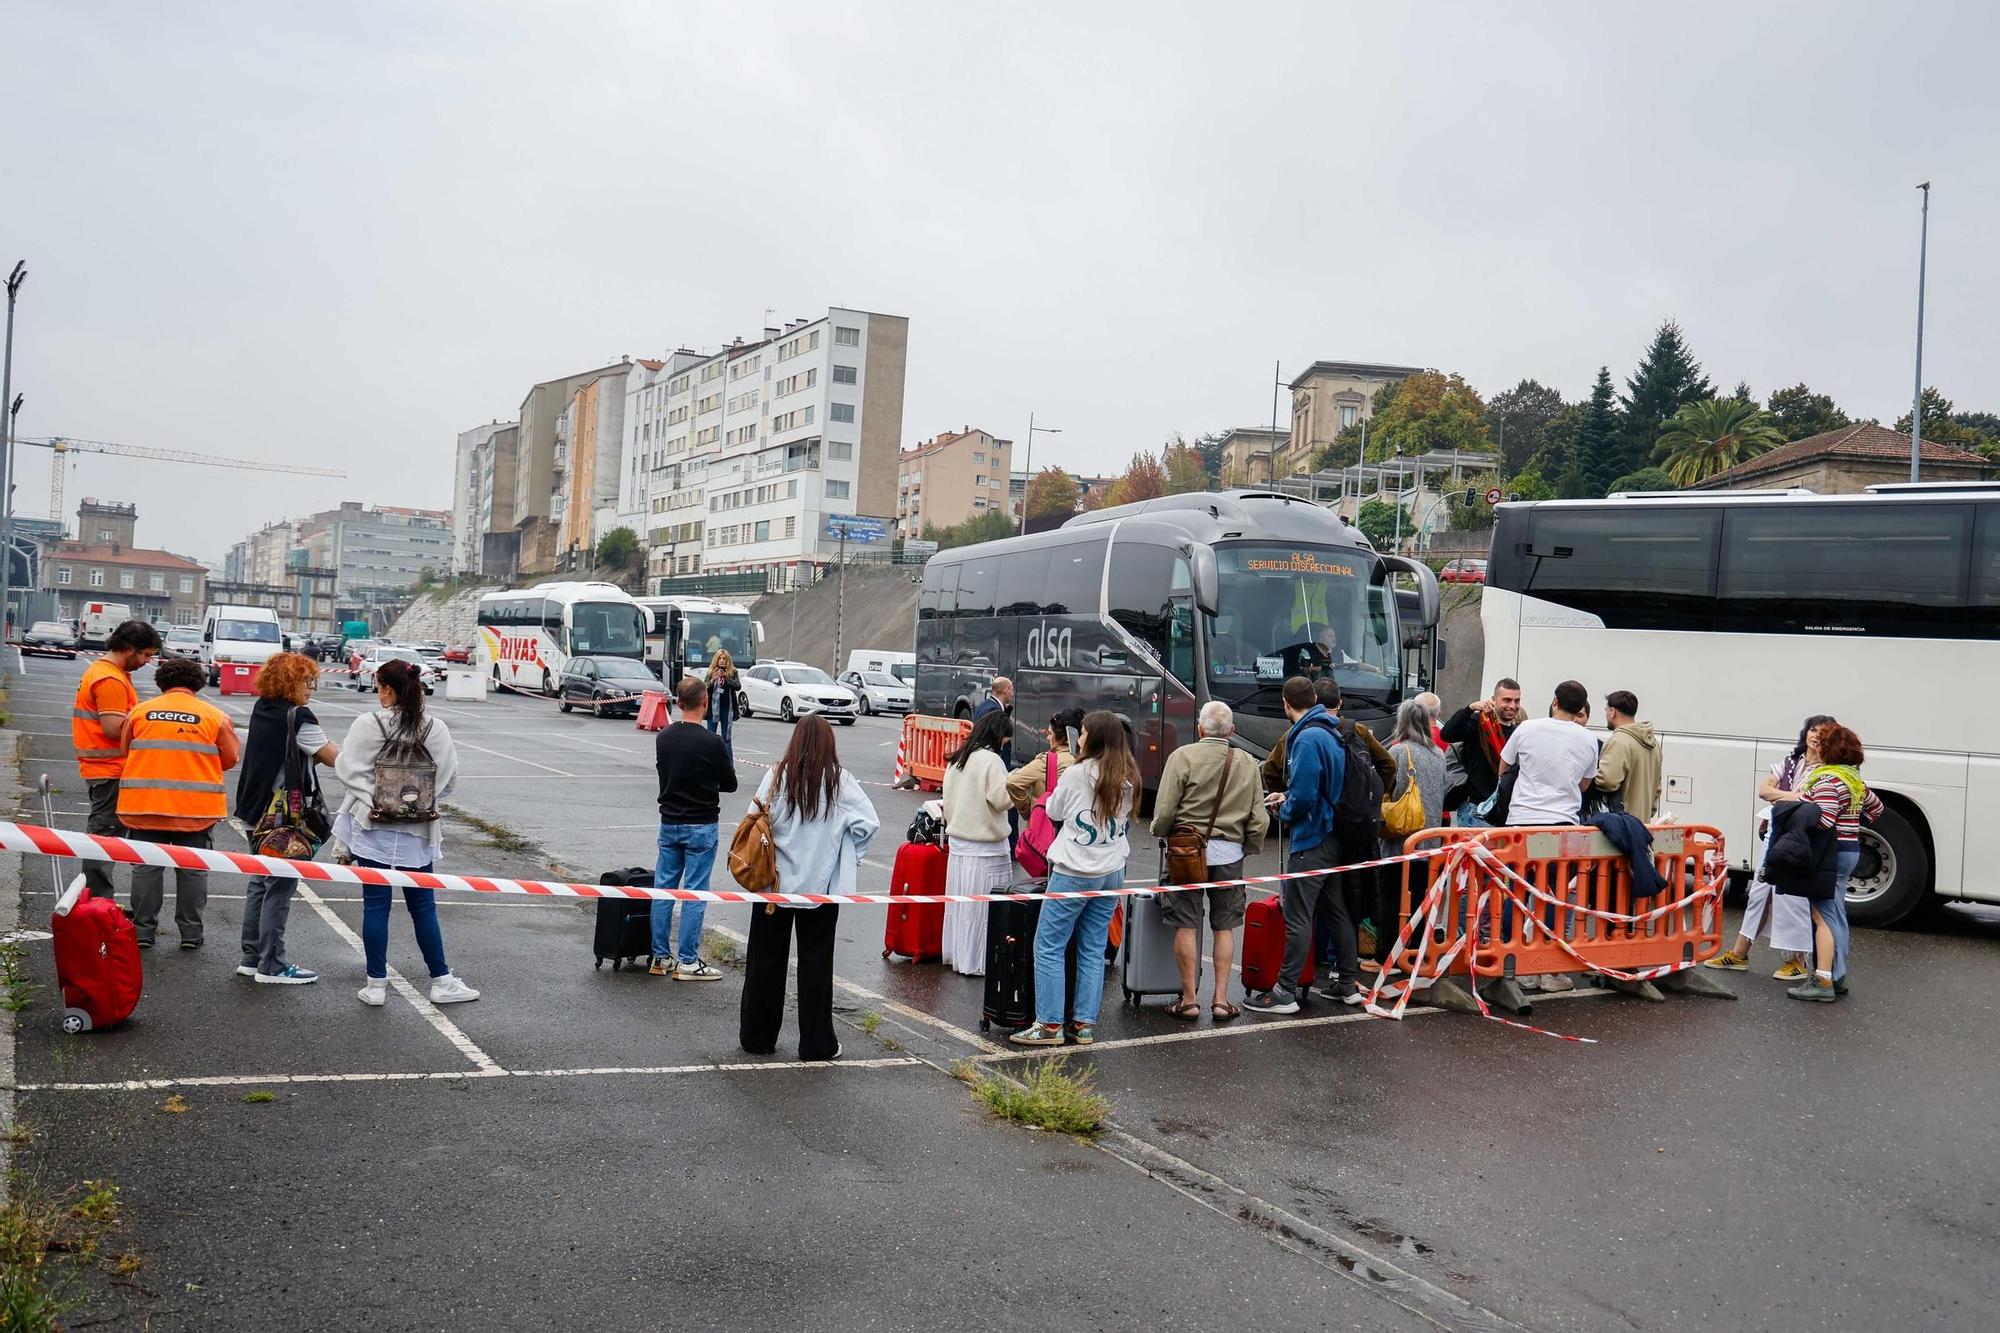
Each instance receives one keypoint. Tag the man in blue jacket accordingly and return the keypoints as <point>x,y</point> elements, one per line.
<point>1316,765</point>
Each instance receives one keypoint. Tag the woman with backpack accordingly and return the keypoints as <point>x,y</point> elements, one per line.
<point>396,767</point>
<point>821,824</point>
<point>977,856</point>
<point>284,741</point>
<point>1091,808</point>
<point>722,688</point>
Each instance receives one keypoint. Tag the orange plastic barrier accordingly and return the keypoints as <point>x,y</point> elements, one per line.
<point>1491,902</point>
<point>652,710</point>
<point>925,745</point>
<point>238,678</point>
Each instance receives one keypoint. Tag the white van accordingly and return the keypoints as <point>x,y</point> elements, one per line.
<point>903,666</point>
<point>96,620</point>
<point>238,634</point>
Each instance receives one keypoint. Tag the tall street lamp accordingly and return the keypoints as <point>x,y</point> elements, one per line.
<point>14,281</point>
<point>1916,403</point>
<point>1028,465</point>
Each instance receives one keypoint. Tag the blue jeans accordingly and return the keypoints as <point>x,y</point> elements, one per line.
<point>376,899</point>
<point>1089,919</point>
<point>1834,910</point>
<point>719,722</point>
<point>687,856</point>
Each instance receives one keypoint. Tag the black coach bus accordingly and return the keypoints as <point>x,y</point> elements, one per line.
<point>1152,609</point>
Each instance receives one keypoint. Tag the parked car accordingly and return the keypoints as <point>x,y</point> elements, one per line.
<point>377,654</point>
<point>432,648</point>
<point>1463,571</point>
<point>607,686</point>
<point>182,641</point>
<point>358,649</point>
<point>459,655</point>
<point>53,638</point>
<point>790,689</point>
<point>878,691</point>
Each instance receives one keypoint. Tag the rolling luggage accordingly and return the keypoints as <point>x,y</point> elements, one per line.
<point>916,930</point>
<point>97,960</point>
<point>1264,946</point>
<point>1010,967</point>
<point>624,925</point>
<point>1146,962</point>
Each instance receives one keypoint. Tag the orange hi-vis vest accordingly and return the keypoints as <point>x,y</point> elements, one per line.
<point>173,764</point>
<point>97,755</point>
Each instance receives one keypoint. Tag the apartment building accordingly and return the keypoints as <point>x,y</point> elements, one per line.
<point>482,451</point>
<point>590,435</point>
<point>303,599</point>
<point>261,557</point>
<point>959,475</point>
<point>746,451</point>
<point>103,564</point>
<point>374,552</point>
<point>1327,398</point>
<point>533,490</point>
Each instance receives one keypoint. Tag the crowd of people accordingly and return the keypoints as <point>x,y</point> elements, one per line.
<point>155,772</point>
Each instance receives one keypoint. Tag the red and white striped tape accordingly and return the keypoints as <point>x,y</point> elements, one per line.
<point>126,851</point>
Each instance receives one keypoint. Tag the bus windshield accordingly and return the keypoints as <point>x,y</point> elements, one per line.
<point>614,628</point>
<point>1289,611</point>
<point>708,631</point>
<point>247,631</point>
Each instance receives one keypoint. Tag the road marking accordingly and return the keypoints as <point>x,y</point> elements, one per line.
<point>648,1071</point>
<point>447,1029</point>
<point>1242,1027</point>
<point>515,759</point>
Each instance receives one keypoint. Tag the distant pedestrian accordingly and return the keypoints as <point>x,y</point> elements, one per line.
<point>1629,767</point>
<point>104,701</point>
<point>722,688</point>
<point>1476,734</point>
<point>1789,919</point>
<point>285,738</point>
<point>177,747</point>
<point>975,804</point>
<point>1213,788</point>
<point>821,823</point>
<point>1832,782</point>
<point>398,740</point>
<point>1092,810</point>
<point>694,770</point>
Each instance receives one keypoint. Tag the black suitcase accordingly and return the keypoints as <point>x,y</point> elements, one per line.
<point>624,925</point>
<point>1010,967</point>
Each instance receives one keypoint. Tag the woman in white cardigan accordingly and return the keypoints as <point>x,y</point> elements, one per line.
<point>413,846</point>
<point>979,860</point>
<point>821,825</point>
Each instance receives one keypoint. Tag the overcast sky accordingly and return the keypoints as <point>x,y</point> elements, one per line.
<point>340,234</point>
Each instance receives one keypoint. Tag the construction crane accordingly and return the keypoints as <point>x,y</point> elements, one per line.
<point>63,445</point>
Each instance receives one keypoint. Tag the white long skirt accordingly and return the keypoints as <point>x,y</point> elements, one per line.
<point>1789,917</point>
<point>972,867</point>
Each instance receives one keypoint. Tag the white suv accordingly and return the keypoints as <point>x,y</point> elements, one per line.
<point>792,689</point>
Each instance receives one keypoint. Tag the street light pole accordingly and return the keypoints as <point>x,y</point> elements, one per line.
<point>14,281</point>
<point>1916,403</point>
<point>1271,457</point>
<point>1028,465</point>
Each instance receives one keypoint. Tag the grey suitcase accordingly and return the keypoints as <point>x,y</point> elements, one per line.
<point>1146,963</point>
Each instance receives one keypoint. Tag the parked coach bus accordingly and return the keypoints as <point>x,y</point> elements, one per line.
<point>1152,609</point>
<point>526,635</point>
<point>1733,616</point>
<point>686,632</point>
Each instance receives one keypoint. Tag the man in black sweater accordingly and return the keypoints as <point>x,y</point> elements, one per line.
<point>1476,734</point>
<point>695,770</point>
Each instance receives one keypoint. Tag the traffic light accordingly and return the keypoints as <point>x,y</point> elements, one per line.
<point>1471,496</point>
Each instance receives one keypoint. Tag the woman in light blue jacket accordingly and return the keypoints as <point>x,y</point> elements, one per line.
<point>822,824</point>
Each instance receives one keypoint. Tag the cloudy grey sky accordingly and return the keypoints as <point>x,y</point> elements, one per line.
<point>340,234</point>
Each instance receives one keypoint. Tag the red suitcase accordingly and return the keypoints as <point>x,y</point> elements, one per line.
<point>97,961</point>
<point>916,930</point>
<point>1264,946</point>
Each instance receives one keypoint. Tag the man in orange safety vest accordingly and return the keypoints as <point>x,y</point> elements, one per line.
<point>177,748</point>
<point>104,699</point>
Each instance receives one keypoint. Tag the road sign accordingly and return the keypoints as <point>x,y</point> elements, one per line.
<point>915,549</point>
<point>856,528</point>
<point>1493,495</point>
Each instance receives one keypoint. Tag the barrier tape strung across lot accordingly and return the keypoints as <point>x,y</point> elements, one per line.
<point>124,851</point>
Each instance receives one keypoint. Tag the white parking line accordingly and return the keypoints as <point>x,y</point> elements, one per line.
<point>514,759</point>
<point>652,1071</point>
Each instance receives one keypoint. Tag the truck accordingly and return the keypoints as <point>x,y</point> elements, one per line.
<point>96,620</point>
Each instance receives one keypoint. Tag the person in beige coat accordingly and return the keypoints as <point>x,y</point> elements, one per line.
<point>978,857</point>
<point>1211,778</point>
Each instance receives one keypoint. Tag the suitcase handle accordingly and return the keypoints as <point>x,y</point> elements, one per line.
<point>71,896</point>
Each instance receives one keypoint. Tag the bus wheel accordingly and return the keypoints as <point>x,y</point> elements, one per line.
<point>1892,879</point>
<point>548,685</point>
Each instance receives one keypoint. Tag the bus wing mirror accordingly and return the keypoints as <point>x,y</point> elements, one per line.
<point>758,626</point>
<point>1207,592</point>
<point>1427,586</point>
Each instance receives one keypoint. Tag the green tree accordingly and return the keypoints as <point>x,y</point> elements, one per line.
<point>1798,412</point>
<point>1519,418</point>
<point>1377,521</point>
<point>1945,425</point>
<point>1597,454</point>
<point>987,527</point>
<point>618,548</point>
<point>1143,479</point>
<point>1708,437</point>
<point>1471,514</point>
<point>1668,379</point>
<point>1530,485</point>
<point>1430,410</point>
<point>1182,464</point>
<point>1209,446</point>
<point>1052,493</point>
<point>1645,479</point>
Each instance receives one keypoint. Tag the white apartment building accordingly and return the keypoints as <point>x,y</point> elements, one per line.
<point>472,493</point>
<point>746,451</point>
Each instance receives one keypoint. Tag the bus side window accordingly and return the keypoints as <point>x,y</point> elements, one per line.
<point>1142,582</point>
<point>1024,578</point>
<point>978,583</point>
<point>1180,630</point>
<point>1076,580</point>
<point>1986,558</point>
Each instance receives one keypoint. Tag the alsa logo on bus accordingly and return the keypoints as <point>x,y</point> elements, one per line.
<point>1048,646</point>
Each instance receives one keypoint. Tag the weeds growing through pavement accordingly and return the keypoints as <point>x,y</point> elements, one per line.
<point>20,992</point>
<point>497,835</point>
<point>259,1097</point>
<point>870,1021</point>
<point>44,1245</point>
<point>719,949</point>
<point>1048,1096</point>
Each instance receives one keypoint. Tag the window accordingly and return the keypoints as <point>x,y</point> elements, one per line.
<point>1633,568</point>
<point>805,379</point>
<point>846,337</point>
<point>156,582</point>
<point>707,435</point>
<point>791,524</point>
<point>839,450</point>
<point>187,583</point>
<point>1986,558</point>
<point>743,435</point>
<point>743,402</point>
<point>62,573</point>
<point>126,579</point>
<point>1142,587</point>
<point>285,603</point>
<point>1075,581</point>
<point>978,586</point>
<point>707,404</point>
<point>763,533</point>
<point>1348,416</point>
<point>805,342</point>
<point>1851,569</point>
<point>840,411</point>
<point>677,386</point>
<point>979,458</point>
<point>184,616</point>
<point>1023,577</point>
<point>105,536</point>
<point>843,374</point>
<point>979,480</point>
<point>836,490</point>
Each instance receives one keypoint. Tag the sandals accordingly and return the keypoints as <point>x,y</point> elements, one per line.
<point>1185,1010</point>
<point>1222,1013</point>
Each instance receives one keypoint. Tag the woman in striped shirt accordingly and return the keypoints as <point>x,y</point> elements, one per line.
<point>1832,782</point>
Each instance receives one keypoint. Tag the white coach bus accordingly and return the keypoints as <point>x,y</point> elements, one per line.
<point>1733,616</point>
<point>526,635</point>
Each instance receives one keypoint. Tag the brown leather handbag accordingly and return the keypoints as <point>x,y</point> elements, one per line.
<point>1187,846</point>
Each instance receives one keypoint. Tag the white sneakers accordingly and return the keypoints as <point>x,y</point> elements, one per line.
<point>447,989</point>
<point>698,970</point>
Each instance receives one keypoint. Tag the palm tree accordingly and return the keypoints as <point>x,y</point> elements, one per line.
<point>1710,436</point>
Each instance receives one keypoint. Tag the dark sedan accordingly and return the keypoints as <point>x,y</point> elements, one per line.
<point>607,686</point>
<point>49,638</point>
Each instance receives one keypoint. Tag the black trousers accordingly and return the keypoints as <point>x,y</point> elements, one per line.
<point>764,966</point>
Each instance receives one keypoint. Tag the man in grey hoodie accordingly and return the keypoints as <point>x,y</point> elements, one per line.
<point>1632,760</point>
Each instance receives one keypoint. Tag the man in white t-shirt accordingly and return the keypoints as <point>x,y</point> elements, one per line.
<point>1556,758</point>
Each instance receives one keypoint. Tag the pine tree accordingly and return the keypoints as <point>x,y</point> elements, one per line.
<point>1667,380</point>
<point>1597,456</point>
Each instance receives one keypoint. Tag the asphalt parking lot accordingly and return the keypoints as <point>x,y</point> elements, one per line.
<point>582,1146</point>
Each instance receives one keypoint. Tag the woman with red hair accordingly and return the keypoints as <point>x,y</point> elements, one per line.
<point>1833,782</point>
